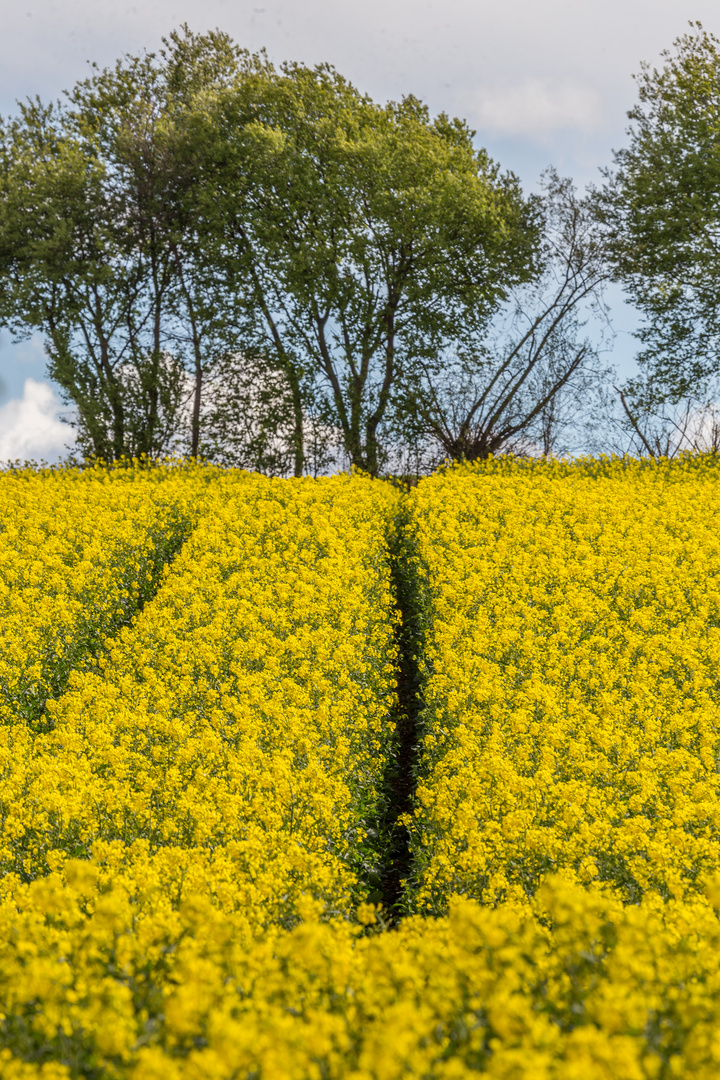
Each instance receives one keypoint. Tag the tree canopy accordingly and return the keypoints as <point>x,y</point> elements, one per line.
<point>360,235</point>
<point>661,206</point>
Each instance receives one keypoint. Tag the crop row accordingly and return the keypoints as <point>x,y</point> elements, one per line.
<point>571,696</point>
<point>235,733</point>
<point>78,553</point>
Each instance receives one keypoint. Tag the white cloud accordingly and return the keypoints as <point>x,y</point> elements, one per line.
<point>30,428</point>
<point>535,107</point>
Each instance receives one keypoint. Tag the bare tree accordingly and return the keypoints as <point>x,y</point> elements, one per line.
<point>248,418</point>
<point>644,426</point>
<point>518,384</point>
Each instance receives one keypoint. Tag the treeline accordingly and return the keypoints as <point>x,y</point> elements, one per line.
<point>264,267</point>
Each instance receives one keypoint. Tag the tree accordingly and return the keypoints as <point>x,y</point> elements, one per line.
<point>690,424</point>
<point>516,382</point>
<point>661,208</point>
<point>101,248</point>
<point>211,317</point>
<point>359,232</point>
<point>248,416</point>
<point>66,270</point>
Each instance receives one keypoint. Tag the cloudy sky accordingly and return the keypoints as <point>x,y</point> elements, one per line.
<point>543,83</point>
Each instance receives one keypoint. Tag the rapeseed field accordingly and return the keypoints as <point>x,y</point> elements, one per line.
<point>205,717</point>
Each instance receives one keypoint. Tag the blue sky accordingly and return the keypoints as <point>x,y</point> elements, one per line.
<point>542,83</point>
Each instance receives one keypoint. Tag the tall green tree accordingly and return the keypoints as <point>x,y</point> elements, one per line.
<point>661,207</point>
<point>360,233</point>
<point>66,270</point>
<point>101,249</point>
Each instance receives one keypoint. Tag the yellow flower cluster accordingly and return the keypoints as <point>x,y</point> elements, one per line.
<point>108,977</point>
<point>78,552</point>
<point>233,739</point>
<point>571,711</point>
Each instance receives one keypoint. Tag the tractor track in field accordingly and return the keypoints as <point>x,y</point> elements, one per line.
<point>401,773</point>
<point>97,641</point>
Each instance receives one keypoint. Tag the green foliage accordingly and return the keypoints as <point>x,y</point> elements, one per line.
<point>662,210</point>
<point>356,234</point>
<point>100,248</point>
